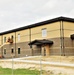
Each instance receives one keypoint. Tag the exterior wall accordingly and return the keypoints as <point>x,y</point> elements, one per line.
<point>55,49</point>
<point>0,45</point>
<point>8,48</point>
<point>68,29</point>
<point>36,50</point>
<point>25,49</point>
<point>22,44</point>
<point>53,28</point>
<point>53,33</point>
<point>6,45</point>
<point>24,36</point>
<point>68,43</point>
<point>0,40</point>
<point>7,36</point>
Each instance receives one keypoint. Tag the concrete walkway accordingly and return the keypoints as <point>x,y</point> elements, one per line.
<point>39,62</point>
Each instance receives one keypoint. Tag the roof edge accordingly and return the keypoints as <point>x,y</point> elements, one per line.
<point>39,24</point>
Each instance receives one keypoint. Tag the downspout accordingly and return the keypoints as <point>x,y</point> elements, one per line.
<point>61,38</point>
<point>30,34</point>
<point>2,44</point>
<point>15,44</point>
<point>30,41</point>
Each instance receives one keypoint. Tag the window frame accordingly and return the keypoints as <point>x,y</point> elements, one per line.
<point>12,37</point>
<point>19,50</point>
<point>44,32</point>
<point>12,51</point>
<point>5,51</point>
<point>18,37</point>
<point>4,39</point>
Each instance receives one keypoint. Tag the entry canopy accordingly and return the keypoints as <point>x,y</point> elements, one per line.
<point>41,42</point>
<point>72,36</point>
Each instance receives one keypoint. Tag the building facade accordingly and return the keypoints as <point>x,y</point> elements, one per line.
<point>51,37</point>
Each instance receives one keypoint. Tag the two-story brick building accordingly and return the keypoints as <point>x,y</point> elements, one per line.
<point>51,37</point>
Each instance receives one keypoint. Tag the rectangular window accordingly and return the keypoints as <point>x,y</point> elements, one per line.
<point>18,50</point>
<point>4,51</point>
<point>44,32</point>
<point>12,51</point>
<point>4,39</point>
<point>18,37</point>
<point>12,37</point>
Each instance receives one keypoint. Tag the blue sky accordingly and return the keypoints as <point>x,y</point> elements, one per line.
<point>18,13</point>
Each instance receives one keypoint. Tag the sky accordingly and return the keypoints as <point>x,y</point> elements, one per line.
<point>18,13</point>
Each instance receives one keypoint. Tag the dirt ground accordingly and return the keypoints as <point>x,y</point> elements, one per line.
<point>46,69</point>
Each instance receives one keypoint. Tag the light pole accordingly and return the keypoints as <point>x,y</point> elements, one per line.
<point>12,63</point>
<point>41,63</point>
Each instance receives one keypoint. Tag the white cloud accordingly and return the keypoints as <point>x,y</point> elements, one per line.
<point>17,13</point>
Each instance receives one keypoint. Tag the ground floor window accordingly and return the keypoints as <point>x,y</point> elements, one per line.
<point>18,50</point>
<point>4,51</point>
<point>12,51</point>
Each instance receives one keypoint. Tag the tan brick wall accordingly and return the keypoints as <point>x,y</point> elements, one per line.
<point>53,49</point>
<point>68,46</point>
<point>53,34</point>
<point>24,36</point>
<point>53,31</point>
<point>0,40</point>
<point>9,35</point>
<point>68,28</point>
<point>24,49</point>
<point>8,48</point>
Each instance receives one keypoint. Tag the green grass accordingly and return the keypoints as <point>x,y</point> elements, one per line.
<point>7,71</point>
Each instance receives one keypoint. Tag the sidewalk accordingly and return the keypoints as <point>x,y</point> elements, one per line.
<point>40,62</point>
<point>44,62</point>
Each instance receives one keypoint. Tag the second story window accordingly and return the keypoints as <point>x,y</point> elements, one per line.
<point>18,37</point>
<point>4,39</point>
<point>44,32</point>
<point>12,37</point>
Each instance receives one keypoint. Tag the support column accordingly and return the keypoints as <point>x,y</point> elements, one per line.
<point>47,50</point>
<point>42,51</point>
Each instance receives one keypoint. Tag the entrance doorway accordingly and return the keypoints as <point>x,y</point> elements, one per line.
<point>45,44</point>
<point>45,50</point>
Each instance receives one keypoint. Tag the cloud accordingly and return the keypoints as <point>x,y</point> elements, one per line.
<point>17,13</point>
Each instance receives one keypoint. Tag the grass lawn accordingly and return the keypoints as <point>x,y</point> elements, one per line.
<point>7,71</point>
